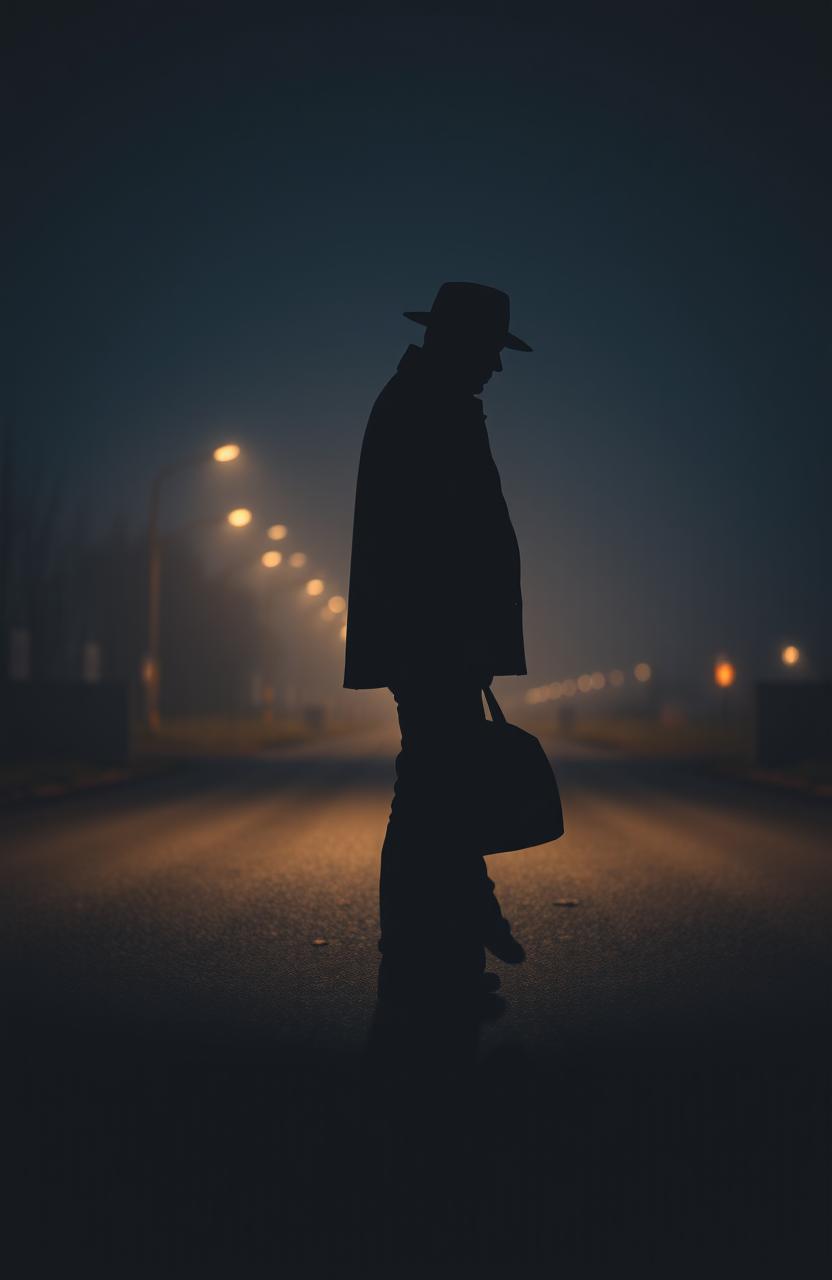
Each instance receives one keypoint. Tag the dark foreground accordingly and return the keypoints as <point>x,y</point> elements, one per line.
<point>195,1089</point>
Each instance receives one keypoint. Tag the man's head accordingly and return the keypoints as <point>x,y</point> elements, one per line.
<point>467,328</point>
<point>464,360</point>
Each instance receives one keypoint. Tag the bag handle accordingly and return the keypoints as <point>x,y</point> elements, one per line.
<point>494,706</point>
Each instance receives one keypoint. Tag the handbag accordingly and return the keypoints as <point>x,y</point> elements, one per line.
<point>518,802</point>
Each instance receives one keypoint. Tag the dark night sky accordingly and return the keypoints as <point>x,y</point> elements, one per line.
<point>219,216</point>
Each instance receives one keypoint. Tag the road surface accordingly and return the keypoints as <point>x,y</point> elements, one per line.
<point>199,1085</point>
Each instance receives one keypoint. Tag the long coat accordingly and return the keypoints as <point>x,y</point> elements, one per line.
<point>435,571</point>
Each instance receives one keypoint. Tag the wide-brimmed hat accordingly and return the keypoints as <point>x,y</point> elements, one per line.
<point>483,311</point>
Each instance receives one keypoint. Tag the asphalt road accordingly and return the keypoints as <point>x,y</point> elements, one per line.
<point>194,1087</point>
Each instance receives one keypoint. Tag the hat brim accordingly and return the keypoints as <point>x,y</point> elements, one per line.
<point>513,343</point>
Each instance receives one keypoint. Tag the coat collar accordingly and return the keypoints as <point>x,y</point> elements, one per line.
<point>416,365</point>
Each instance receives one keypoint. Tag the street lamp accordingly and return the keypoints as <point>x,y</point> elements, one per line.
<point>150,667</point>
<point>724,676</point>
<point>790,655</point>
<point>724,673</point>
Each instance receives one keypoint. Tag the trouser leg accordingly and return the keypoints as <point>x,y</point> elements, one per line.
<point>432,885</point>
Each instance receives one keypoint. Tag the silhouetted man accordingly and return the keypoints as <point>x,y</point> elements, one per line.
<point>435,612</point>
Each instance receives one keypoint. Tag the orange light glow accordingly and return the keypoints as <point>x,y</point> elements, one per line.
<point>584,683</point>
<point>277,532</point>
<point>569,688</point>
<point>344,632</point>
<point>616,678</point>
<point>271,559</point>
<point>790,655</point>
<point>297,559</point>
<point>337,604</point>
<point>642,672</point>
<point>226,452</point>
<point>315,587</point>
<point>239,517</point>
<point>724,673</point>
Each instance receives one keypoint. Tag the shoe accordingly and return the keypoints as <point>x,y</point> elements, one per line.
<point>477,996</point>
<point>451,1008</point>
<point>500,943</point>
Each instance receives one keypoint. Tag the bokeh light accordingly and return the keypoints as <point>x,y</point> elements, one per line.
<point>790,655</point>
<point>337,604</point>
<point>315,587</point>
<point>271,559</point>
<point>297,559</point>
<point>724,673</point>
<point>569,688</point>
<point>616,678</point>
<point>239,517</point>
<point>584,683</point>
<point>598,679</point>
<point>277,532</point>
<point>642,672</point>
<point>226,452</point>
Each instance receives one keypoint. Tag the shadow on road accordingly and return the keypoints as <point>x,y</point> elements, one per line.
<point>181,1150</point>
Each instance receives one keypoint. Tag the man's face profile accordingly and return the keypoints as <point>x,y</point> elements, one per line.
<point>471,363</point>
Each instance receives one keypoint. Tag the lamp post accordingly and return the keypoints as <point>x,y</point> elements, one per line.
<point>151,671</point>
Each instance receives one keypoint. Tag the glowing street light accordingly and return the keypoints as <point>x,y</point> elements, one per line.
<point>297,559</point>
<point>642,672</point>
<point>315,587</point>
<point>724,673</point>
<point>271,559</point>
<point>724,676</point>
<point>598,679</point>
<point>277,532</point>
<point>226,453</point>
<point>790,655</point>
<point>584,683</point>
<point>337,604</point>
<point>239,517</point>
